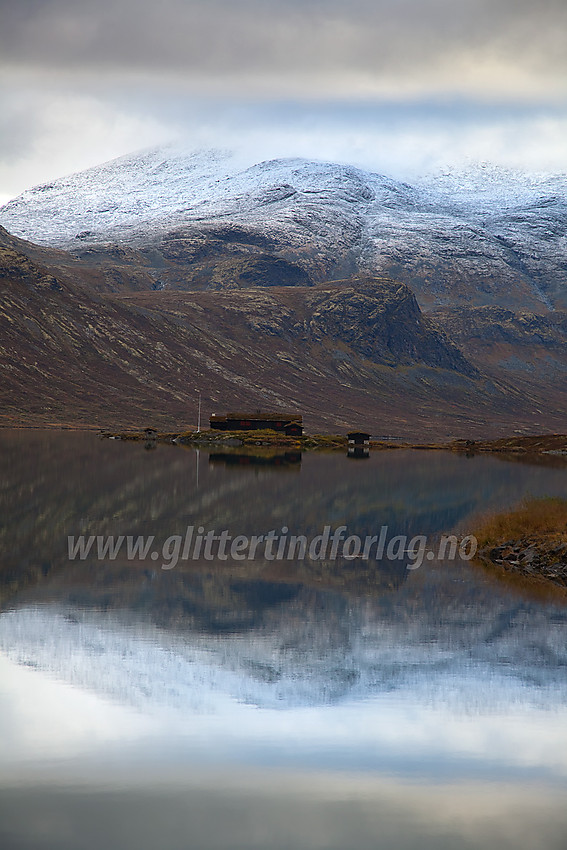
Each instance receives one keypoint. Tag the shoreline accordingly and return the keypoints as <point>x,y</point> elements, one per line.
<point>546,444</point>
<point>544,447</point>
<point>528,542</point>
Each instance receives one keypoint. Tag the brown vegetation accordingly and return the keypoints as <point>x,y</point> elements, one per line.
<point>530,540</point>
<point>546,516</point>
<point>355,353</point>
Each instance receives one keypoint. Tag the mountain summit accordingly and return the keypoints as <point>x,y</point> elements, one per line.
<point>213,220</point>
<point>434,309</point>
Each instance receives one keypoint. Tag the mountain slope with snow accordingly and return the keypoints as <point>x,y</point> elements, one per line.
<point>197,220</point>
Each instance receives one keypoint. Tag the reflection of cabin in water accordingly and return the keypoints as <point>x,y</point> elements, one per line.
<point>283,460</point>
<point>290,424</point>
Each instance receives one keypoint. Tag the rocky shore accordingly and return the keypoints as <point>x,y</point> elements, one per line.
<point>538,558</point>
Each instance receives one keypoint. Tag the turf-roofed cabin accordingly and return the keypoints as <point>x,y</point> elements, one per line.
<point>290,423</point>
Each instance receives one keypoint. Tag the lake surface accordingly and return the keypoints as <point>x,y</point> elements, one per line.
<point>229,700</point>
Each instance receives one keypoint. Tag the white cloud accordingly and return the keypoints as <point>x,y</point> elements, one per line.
<point>57,131</point>
<point>61,131</point>
<point>380,84</point>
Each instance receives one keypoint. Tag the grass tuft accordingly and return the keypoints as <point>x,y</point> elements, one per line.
<point>533,518</point>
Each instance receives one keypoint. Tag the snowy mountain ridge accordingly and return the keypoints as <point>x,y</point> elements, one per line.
<point>167,181</point>
<point>449,236</point>
<point>171,186</point>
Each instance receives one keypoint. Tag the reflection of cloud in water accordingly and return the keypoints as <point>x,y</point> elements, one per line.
<point>371,699</point>
<point>285,811</point>
<point>43,717</point>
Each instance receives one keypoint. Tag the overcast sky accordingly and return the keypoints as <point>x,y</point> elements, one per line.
<point>398,86</point>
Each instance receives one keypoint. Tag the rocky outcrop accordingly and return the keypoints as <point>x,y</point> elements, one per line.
<point>381,320</point>
<point>499,325</point>
<point>520,346</point>
<point>538,558</point>
<point>16,266</point>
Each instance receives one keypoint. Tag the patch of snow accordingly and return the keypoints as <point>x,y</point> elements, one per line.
<point>486,222</point>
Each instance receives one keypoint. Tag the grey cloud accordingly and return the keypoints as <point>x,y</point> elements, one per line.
<point>290,38</point>
<point>388,84</point>
<point>48,133</point>
<point>18,128</point>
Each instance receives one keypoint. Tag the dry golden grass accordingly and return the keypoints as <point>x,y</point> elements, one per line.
<point>533,518</point>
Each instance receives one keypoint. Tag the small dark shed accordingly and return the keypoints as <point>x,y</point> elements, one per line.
<point>358,438</point>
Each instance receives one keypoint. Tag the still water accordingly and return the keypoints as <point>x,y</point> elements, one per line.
<point>261,702</point>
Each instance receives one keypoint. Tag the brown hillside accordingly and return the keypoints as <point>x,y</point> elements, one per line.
<point>355,353</point>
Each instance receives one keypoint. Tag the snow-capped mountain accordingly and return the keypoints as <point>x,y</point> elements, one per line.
<point>165,188</point>
<point>485,236</point>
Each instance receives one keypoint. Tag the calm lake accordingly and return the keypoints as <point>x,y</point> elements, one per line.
<point>214,695</point>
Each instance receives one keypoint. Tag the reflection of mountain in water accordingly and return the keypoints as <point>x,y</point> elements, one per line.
<point>60,484</point>
<point>216,598</point>
<point>305,649</point>
<point>270,633</point>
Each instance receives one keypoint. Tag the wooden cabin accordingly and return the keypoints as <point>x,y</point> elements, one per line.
<point>290,424</point>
